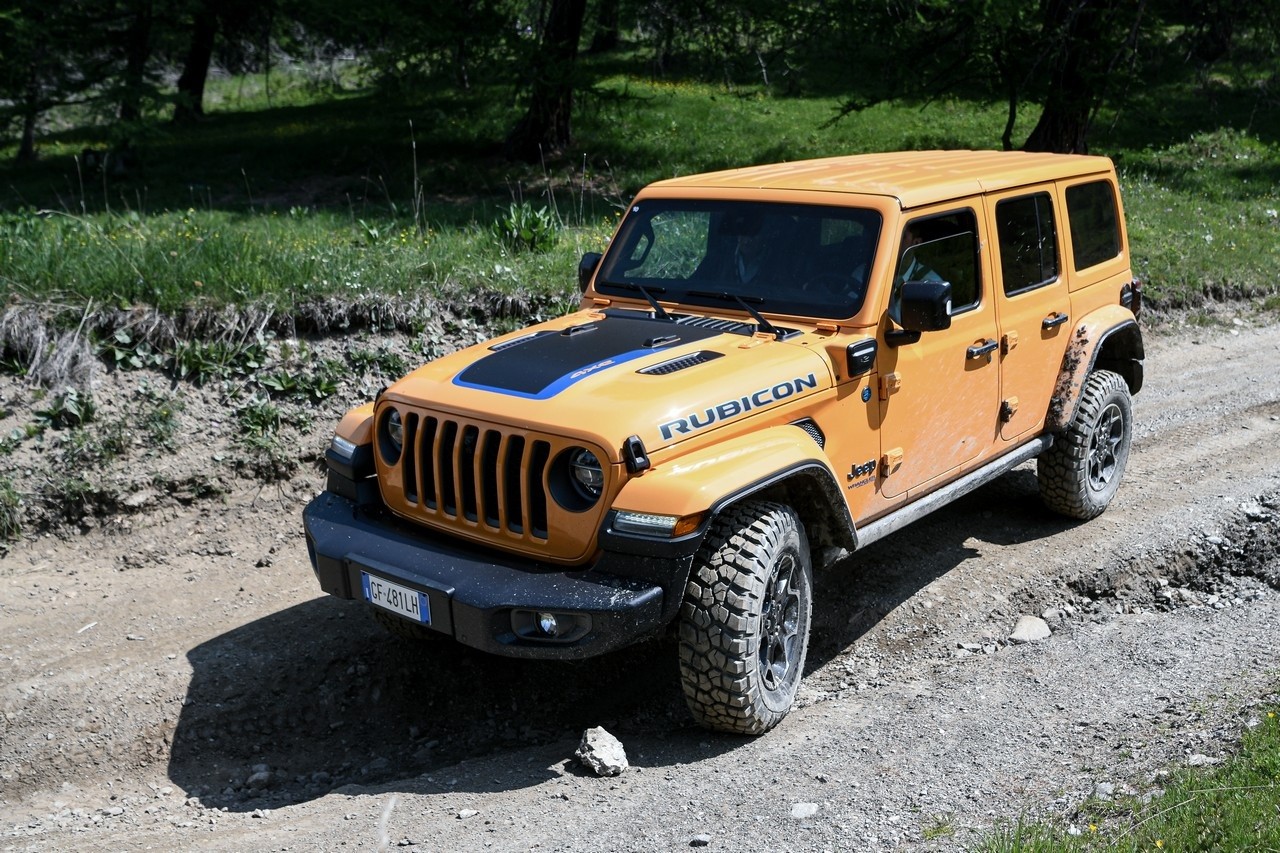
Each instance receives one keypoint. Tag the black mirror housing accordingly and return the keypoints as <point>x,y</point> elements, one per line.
<point>587,268</point>
<point>926,306</point>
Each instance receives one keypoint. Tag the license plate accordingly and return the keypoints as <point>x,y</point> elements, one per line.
<point>396,598</point>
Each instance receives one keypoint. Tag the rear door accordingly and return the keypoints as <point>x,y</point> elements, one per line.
<point>1032,302</point>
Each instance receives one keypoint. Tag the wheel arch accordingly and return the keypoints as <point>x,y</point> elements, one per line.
<point>1107,339</point>
<point>782,464</point>
<point>812,493</point>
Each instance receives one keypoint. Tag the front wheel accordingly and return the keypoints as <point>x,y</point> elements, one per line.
<point>744,622</point>
<point>1080,473</point>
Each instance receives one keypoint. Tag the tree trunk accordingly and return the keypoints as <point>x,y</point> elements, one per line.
<point>30,114</point>
<point>27,147</point>
<point>195,71</point>
<point>137,52</point>
<point>545,127</point>
<point>1073,26</point>
<point>606,37</point>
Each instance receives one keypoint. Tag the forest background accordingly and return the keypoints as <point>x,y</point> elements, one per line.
<point>308,164</point>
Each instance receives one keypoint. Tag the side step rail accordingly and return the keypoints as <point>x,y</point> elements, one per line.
<point>918,509</point>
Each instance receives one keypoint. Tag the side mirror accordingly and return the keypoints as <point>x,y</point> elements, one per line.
<point>586,269</point>
<point>926,306</point>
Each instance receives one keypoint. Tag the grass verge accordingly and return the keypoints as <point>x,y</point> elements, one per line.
<point>1235,806</point>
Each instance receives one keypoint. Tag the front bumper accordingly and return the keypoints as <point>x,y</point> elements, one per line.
<point>474,592</point>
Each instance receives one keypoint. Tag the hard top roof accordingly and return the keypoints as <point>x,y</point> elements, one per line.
<point>912,177</point>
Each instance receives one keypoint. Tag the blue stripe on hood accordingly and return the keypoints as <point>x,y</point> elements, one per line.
<point>551,390</point>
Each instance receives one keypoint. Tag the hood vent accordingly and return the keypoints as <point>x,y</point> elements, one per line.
<point>677,364</point>
<point>515,342</point>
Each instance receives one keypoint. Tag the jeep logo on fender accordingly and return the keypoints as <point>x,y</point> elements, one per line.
<point>732,408</point>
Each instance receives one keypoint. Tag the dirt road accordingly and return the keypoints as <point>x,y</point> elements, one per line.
<point>170,677</point>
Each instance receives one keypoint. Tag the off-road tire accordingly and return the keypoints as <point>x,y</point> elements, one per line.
<point>744,621</point>
<point>1080,473</point>
<point>403,628</point>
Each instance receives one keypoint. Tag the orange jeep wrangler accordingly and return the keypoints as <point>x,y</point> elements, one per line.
<point>770,365</point>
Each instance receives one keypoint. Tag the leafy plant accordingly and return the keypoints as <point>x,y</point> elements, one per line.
<point>260,418</point>
<point>10,510</point>
<point>122,352</point>
<point>201,361</point>
<point>523,229</point>
<point>314,386</point>
<point>381,361</point>
<point>71,408</point>
<point>86,449</point>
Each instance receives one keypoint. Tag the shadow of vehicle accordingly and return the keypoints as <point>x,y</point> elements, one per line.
<point>291,706</point>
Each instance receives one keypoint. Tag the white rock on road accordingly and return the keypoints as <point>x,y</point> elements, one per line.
<point>1030,629</point>
<point>601,753</point>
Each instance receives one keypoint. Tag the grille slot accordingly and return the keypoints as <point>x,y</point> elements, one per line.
<point>445,448</point>
<point>476,476</point>
<point>467,472</point>
<point>533,486</point>
<point>410,453</point>
<point>682,363</point>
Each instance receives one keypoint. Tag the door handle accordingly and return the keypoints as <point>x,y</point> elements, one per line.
<point>979,350</point>
<point>1056,319</point>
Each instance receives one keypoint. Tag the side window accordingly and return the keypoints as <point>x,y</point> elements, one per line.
<point>941,248</point>
<point>1028,242</point>
<point>1095,228</point>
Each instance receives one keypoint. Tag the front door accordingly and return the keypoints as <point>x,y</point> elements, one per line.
<point>939,395</point>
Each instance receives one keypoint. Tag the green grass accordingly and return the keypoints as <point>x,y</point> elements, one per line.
<point>173,260</point>
<point>312,194</point>
<point>1236,806</point>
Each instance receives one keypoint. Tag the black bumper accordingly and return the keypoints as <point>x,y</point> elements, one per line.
<point>474,592</point>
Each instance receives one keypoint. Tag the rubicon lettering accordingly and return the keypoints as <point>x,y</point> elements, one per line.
<point>732,408</point>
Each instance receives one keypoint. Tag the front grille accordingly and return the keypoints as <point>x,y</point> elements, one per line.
<point>481,475</point>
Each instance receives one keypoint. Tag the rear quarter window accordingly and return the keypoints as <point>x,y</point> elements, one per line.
<point>1095,225</point>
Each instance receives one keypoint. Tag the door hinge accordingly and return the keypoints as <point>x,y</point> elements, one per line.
<point>891,461</point>
<point>889,384</point>
<point>1009,341</point>
<point>1008,409</point>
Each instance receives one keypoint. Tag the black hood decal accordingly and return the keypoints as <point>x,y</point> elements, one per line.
<point>543,365</point>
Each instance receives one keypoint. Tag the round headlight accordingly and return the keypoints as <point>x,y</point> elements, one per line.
<point>588,476</point>
<point>395,430</point>
<point>391,436</point>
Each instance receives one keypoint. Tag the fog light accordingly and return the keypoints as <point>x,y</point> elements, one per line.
<point>547,624</point>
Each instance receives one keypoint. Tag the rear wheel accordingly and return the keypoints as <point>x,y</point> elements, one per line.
<point>1080,473</point>
<point>744,622</point>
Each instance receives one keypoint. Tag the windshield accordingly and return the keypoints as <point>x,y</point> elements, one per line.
<point>809,260</point>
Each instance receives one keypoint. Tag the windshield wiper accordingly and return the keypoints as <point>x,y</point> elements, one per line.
<point>723,296</point>
<point>658,311</point>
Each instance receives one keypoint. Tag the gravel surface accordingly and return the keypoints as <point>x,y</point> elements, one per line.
<point>170,677</point>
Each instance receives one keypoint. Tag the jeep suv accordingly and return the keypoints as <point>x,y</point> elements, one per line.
<point>770,366</point>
